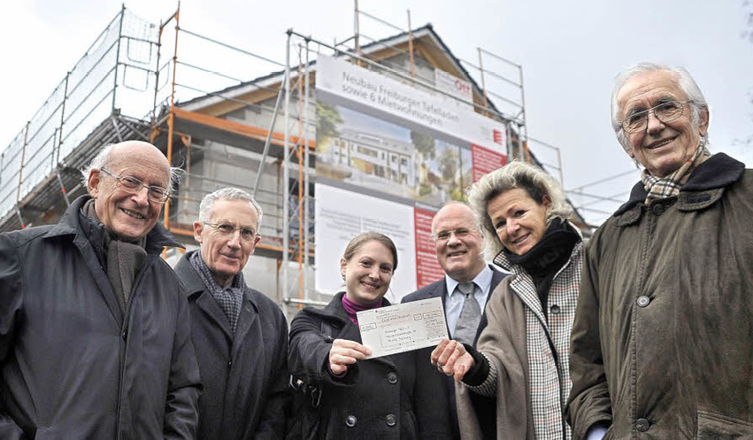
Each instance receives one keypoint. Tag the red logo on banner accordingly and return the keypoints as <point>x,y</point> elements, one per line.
<point>485,161</point>
<point>462,86</point>
<point>497,136</point>
<point>428,269</point>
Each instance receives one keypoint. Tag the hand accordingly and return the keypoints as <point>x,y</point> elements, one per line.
<point>345,352</point>
<point>452,359</point>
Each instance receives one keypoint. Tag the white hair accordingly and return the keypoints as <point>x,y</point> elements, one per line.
<point>229,193</point>
<point>102,160</point>
<point>684,80</point>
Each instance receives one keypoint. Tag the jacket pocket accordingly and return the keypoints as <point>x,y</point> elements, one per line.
<point>717,426</point>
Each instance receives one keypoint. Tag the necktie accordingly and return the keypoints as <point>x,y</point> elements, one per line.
<point>465,329</point>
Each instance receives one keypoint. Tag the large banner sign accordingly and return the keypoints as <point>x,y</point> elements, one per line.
<point>442,116</point>
<point>388,157</point>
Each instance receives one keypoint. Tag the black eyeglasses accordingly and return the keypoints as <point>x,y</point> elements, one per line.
<point>665,112</point>
<point>133,185</point>
<point>229,229</point>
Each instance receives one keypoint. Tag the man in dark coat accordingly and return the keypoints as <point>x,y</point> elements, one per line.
<point>240,335</point>
<point>94,331</point>
<point>660,345</point>
<point>459,247</point>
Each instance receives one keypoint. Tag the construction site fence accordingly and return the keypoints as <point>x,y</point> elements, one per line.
<point>115,75</point>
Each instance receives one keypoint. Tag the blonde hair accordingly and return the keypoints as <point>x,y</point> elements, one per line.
<point>533,180</point>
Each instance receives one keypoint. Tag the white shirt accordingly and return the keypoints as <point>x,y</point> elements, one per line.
<point>454,303</point>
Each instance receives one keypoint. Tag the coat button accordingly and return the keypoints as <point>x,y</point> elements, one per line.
<point>125,335</point>
<point>351,421</point>
<point>230,364</point>
<point>555,309</point>
<point>642,425</point>
<point>392,377</point>
<point>391,420</point>
<point>643,301</point>
<point>658,209</point>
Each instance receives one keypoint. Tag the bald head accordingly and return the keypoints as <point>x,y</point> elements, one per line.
<point>458,243</point>
<point>123,180</point>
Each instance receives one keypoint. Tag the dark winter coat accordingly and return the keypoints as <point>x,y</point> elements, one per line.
<point>661,342</point>
<point>393,397</point>
<point>438,289</point>
<point>245,375</point>
<point>73,366</point>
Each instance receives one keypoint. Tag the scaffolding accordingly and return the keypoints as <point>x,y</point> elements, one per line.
<point>92,106</point>
<point>189,95</point>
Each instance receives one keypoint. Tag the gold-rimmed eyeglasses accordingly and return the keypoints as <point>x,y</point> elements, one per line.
<point>133,185</point>
<point>665,112</point>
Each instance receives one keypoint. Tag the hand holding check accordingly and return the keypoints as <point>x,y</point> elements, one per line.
<point>452,359</point>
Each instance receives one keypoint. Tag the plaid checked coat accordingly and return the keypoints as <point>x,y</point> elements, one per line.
<point>530,353</point>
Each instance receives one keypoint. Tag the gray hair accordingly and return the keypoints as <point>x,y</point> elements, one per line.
<point>684,80</point>
<point>533,180</point>
<point>229,193</point>
<point>102,160</point>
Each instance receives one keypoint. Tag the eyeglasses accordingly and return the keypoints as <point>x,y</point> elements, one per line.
<point>665,112</point>
<point>460,234</point>
<point>227,229</point>
<point>132,185</point>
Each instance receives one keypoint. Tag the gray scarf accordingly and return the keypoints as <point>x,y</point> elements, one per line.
<point>229,298</point>
<point>123,259</point>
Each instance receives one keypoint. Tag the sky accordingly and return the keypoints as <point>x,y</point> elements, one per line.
<point>569,52</point>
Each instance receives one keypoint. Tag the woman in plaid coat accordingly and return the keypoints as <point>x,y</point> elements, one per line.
<point>522,357</point>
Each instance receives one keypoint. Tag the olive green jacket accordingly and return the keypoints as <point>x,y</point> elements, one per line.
<point>661,343</point>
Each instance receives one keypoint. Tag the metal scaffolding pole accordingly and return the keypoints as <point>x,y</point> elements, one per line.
<point>267,141</point>
<point>286,176</point>
<point>306,173</point>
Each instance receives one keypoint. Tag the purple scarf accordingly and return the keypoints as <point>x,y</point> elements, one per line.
<point>353,308</point>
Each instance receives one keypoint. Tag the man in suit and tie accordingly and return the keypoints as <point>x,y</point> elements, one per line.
<point>468,282</point>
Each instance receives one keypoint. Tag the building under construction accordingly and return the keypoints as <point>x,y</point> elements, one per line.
<point>254,130</point>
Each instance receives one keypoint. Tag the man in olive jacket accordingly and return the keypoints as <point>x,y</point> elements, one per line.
<point>240,335</point>
<point>94,333</point>
<point>661,339</point>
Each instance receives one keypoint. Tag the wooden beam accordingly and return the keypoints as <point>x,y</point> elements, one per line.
<point>237,128</point>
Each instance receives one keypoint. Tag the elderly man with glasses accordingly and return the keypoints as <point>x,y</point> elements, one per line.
<point>661,344</point>
<point>94,333</point>
<point>240,335</point>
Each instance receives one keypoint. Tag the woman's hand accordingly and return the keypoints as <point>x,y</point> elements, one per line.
<point>452,359</point>
<point>343,353</point>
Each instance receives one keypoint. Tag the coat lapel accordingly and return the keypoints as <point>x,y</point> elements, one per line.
<point>497,276</point>
<point>206,303</point>
<point>99,275</point>
<point>523,286</point>
<point>212,310</point>
<point>248,315</point>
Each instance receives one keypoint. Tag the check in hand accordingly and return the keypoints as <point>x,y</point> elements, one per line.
<point>452,359</point>
<point>343,353</point>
